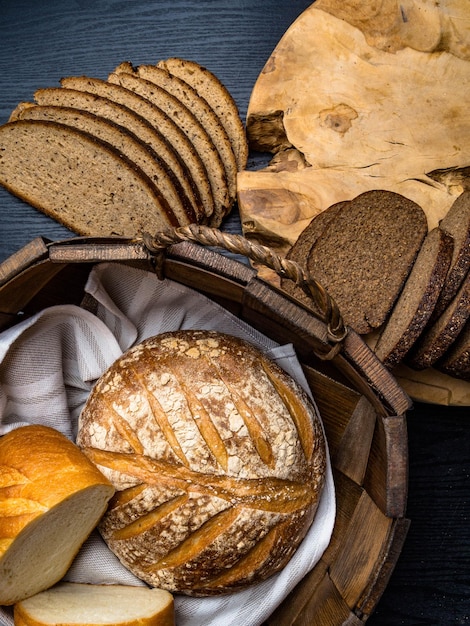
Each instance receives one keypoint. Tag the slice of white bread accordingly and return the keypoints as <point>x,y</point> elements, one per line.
<point>198,107</point>
<point>79,181</point>
<point>51,498</point>
<point>216,94</point>
<point>78,604</point>
<point>417,300</point>
<point>157,118</point>
<point>135,123</point>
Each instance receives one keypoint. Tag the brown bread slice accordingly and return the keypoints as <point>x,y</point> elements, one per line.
<point>416,302</point>
<point>198,107</point>
<point>457,224</point>
<point>439,336</point>
<point>135,123</point>
<point>300,251</point>
<point>195,132</point>
<point>126,143</point>
<point>79,180</point>
<point>158,119</point>
<point>365,255</point>
<point>219,98</point>
<point>456,361</point>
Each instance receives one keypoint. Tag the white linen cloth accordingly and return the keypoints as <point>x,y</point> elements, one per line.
<point>48,365</point>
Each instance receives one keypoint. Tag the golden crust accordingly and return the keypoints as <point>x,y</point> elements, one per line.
<point>218,458</point>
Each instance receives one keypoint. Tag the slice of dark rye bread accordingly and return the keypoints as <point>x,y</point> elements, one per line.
<point>417,299</point>
<point>457,223</point>
<point>157,118</point>
<point>79,180</point>
<point>440,335</point>
<point>195,132</point>
<point>456,361</point>
<point>219,98</point>
<point>126,144</point>
<point>198,107</point>
<point>366,253</point>
<point>299,252</point>
<point>135,123</point>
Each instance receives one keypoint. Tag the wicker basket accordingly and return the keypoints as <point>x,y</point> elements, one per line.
<point>362,406</point>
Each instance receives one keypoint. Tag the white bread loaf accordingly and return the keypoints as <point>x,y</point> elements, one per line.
<point>77,604</point>
<point>51,498</point>
<point>218,458</point>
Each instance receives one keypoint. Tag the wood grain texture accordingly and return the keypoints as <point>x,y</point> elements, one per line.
<point>41,42</point>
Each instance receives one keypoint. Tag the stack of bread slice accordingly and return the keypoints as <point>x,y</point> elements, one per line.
<point>151,147</point>
<point>406,289</point>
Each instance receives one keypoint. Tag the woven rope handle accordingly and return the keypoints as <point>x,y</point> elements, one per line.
<point>325,306</point>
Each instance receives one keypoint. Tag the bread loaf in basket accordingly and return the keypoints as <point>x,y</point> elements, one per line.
<point>217,456</point>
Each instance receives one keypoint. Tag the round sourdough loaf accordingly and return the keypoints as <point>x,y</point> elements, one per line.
<point>217,456</point>
<point>51,498</point>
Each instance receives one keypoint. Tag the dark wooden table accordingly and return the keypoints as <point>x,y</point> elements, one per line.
<point>42,41</point>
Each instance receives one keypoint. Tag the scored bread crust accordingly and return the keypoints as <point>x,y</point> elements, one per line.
<point>365,255</point>
<point>417,300</point>
<point>218,97</point>
<point>159,119</point>
<point>218,457</point>
<point>52,498</point>
<point>128,144</point>
<point>198,107</point>
<point>73,177</point>
<point>195,132</point>
<point>81,604</point>
<point>135,123</point>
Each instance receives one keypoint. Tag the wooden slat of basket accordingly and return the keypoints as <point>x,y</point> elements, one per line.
<point>373,592</point>
<point>352,454</point>
<point>335,401</point>
<point>21,288</point>
<point>314,602</point>
<point>97,250</point>
<point>374,375</point>
<point>354,569</point>
<point>387,471</point>
<point>219,264</point>
<point>327,607</point>
<point>33,252</point>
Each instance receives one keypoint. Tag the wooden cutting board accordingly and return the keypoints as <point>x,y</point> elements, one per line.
<point>359,96</point>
